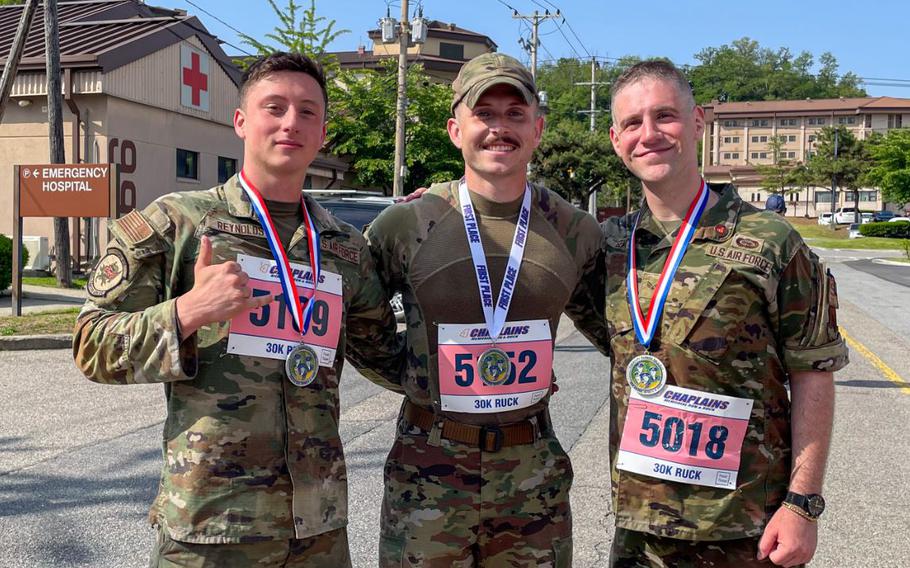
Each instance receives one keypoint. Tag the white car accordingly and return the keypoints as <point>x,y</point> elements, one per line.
<point>867,217</point>
<point>892,219</point>
<point>824,218</point>
<point>853,232</point>
<point>846,215</point>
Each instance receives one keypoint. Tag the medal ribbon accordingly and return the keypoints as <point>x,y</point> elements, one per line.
<point>495,316</point>
<point>646,327</point>
<point>301,315</point>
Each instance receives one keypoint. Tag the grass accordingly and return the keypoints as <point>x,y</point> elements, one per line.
<point>42,323</point>
<point>823,236</point>
<point>50,281</point>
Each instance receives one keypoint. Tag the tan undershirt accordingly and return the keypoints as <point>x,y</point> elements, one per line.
<point>287,216</point>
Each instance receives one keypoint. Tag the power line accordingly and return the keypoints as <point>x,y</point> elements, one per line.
<point>216,18</point>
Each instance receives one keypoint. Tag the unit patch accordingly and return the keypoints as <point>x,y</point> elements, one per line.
<point>350,254</point>
<point>735,255</point>
<point>110,271</point>
<point>748,244</point>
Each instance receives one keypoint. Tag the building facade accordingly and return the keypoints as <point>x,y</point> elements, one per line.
<point>737,137</point>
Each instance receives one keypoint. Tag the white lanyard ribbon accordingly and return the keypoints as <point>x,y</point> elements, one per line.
<point>646,327</point>
<point>301,315</point>
<point>495,316</point>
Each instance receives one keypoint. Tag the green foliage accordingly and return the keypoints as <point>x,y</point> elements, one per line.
<point>848,169</point>
<point>887,229</point>
<point>780,175</point>
<point>308,34</point>
<point>891,165</point>
<point>362,127</point>
<point>572,160</point>
<point>6,261</point>
<point>745,71</point>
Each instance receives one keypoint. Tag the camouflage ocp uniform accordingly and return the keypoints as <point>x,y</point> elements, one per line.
<point>448,502</point>
<point>248,456</point>
<point>749,306</point>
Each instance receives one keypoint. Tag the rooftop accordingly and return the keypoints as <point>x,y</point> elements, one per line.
<point>810,106</point>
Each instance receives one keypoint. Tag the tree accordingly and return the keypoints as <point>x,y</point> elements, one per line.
<point>572,161</point>
<point>362,127</point>
<point>310,35</point>
<point>801,178</point>
<point>890,169</point>
<point>847,169</point>
<point>745,71</point>
<point>777,177</point>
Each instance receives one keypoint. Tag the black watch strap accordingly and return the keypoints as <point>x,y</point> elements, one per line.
<point>813,505</point>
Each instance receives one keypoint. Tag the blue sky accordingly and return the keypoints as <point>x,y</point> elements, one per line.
<point>870,42</point>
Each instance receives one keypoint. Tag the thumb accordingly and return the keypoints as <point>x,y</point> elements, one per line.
<point>205,254</point>
<point>767,542</point>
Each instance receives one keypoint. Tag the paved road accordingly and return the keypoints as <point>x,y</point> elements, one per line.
<point>79,461</point>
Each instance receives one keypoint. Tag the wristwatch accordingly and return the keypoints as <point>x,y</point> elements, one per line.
<point>809,506</point>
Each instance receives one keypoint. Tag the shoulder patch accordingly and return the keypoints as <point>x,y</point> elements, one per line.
<point>135,227</point>
<point>348,253</point>
<point>736,255</point>
<point>110,271</point>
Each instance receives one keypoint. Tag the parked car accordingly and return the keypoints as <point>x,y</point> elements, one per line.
<point>824,218</point>
<point>846,215</point>
<point>853,231</point>
<point>867,217</point>
<point>892,219</point>
<point>360,210</point>
<point>883,215</point>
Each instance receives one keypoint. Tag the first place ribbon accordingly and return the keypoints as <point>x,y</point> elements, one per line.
<point>645,327</point>
<point>495,316</point>
<point>301,315</point>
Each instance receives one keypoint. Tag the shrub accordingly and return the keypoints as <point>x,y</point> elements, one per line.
<point>6,261</point>
<point>886,229</point>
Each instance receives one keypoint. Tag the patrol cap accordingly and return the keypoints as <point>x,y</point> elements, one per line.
<point>776,203</point>
<point>487,70</point>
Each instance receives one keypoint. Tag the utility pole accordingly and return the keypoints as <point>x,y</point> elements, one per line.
<point>592,113</point>
<point>15,54</point>
<point>403,35</point>
<point>55,133</point>
<point>834,183</point>
<point>535,20</point>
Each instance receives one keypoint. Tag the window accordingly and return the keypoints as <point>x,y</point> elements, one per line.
<point>734,155</point>
<point>226,168</point>
<point>817,121</point>
<point>759,122</point>
<point>790,155</point>
<point>731,139</point>
<point>731,123</point>
<point>759,138</point>
<point>846,120</point>
<point>812,138</point>
<point>868,196</point>
<point>895,121</point>
<point>788,122</point>
<point>451,50</point>
<point>763,155</point>
<point>791,138</point>
<point>754,155</point>
<point>727,155</point>
<point>823,197</point>
<point>187,164</point>
<point>868,121</point>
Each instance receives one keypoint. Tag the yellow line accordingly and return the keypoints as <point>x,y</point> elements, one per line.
<point>878,363</point>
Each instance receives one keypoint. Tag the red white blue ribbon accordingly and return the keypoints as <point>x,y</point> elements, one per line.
<point>300,314</point>
<point>646,327</point>
<point>495,315</point>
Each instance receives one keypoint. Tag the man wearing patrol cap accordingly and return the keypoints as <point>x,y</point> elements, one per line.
<point>714,308</point>
<point>243,300</point>
<point>486,265</point>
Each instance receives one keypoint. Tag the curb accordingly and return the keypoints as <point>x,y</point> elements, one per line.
<point>28,342</point>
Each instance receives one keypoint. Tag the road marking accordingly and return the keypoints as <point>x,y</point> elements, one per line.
<point>874,359</point>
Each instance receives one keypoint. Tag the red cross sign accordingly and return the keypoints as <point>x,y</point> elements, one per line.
<point>194,78</point>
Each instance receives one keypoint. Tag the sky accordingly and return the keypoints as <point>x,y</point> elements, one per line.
<point>863,41</point>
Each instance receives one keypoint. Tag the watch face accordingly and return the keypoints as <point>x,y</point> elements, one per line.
<point>816,505</point>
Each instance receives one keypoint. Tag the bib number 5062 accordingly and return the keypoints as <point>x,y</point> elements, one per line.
<point>673,432</point>
<point>465,368</point>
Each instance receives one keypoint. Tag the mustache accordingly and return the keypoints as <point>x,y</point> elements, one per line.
<point>507,139</point>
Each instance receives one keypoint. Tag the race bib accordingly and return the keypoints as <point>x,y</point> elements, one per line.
<point>685,435</point>
<point>269,332</point>
<point>479,377</point>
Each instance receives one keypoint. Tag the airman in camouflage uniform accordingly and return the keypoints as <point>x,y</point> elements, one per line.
<point>467,488</point>
<point>750,311</point>
<point>254,473</point>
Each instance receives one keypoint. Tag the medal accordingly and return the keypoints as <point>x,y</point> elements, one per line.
<point>297,371</point>
<point>646,373</point>
<point>494,366</point>
<point>302,365</point>
<point>495,315</point>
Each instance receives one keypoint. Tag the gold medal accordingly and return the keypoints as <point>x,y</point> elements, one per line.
<point>494,367</point>
<point>302,365</point>
<point>646,374</point>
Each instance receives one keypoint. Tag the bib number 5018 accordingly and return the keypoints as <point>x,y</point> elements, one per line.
<point>672,433</point>
<point>465,368</point>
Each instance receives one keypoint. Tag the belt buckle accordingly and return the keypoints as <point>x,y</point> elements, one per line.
<point>497,438</point>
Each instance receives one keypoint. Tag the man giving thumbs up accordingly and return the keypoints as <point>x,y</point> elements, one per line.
<point>236,298</point>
